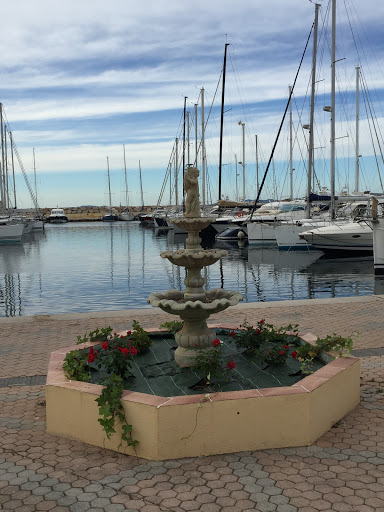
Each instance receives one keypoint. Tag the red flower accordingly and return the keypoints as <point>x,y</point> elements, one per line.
<point>125,351</point>
<point>216,342</point>
<point>257,331</point>
<point>233,334</point>
<point>285,346</point>
<point>92,355</point>
<point>294,354</point>
<point>129,333</point>
<point>115,333</point>
<point>121,336</point>
<point>231,365</point>
<point>261,322</point>
<point>104,345</point>
<point>134,351</point>
<point>281,352</point>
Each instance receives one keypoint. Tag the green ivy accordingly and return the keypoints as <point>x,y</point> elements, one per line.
<point>173,327</point>
<point>306,353</point>
<point>111,411</point>
<point>76,366</point>
<point>96,335</point>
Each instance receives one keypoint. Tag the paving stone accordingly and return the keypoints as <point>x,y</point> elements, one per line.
<point>41,491</point>
<point>80,507</point>
<point>86,496</point>
<point>100,502</point>
<point>54,495</point>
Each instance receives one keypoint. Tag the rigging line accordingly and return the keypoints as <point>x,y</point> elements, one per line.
<point>363,50</point>
<point>362,74</point>
<point>373,144</point>
<point>209,113</point>
<point>374,124</point>
<point>281,125</point>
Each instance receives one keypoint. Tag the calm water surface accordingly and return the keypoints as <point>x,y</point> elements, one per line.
<point>78,267</point>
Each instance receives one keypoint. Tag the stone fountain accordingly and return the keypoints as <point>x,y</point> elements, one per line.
<point>195,305</point>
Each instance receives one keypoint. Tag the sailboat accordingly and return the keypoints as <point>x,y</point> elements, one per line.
<point>126,214</point>
<point>111,216</point>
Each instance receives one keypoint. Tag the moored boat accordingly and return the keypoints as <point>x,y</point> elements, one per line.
<point>57,216</point>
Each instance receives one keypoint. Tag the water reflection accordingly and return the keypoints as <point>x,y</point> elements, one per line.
<point>98,266</point>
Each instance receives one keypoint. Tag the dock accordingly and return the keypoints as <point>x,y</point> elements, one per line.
<point>342,471</point>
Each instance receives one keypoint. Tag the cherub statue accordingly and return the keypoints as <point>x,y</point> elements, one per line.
<point>191,187</point>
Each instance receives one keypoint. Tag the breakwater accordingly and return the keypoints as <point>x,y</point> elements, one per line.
<point>91,213</point>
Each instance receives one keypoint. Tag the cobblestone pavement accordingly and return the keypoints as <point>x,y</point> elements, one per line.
<point>342,471</point>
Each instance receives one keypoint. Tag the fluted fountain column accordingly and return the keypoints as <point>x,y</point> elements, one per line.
<point>195,305</point>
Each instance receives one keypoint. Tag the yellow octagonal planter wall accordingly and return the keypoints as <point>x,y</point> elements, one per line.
<point>195,425</point>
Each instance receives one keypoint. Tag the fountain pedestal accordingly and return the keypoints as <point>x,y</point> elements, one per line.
<point>195,305</point>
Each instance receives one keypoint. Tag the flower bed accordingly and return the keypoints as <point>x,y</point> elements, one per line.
<point>198,421</point>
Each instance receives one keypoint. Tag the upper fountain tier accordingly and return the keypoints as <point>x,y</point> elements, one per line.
<point>194,258</point>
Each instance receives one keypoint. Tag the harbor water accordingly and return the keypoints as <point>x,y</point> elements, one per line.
<point>95,266</point>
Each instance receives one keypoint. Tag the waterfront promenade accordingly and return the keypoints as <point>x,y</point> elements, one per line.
<point>342,471</point>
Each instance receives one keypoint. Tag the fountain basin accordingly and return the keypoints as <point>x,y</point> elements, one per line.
<point>194,259</point>
<point>195,333</point>
<point>174,302</point>
<point>198,425</point>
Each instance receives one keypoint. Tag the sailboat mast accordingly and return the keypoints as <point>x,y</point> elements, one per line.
<point>310,149</point>
<point>109,189</point>
<point>333,83</point>
<point>13,172</point>
<point>290,145</point>
<point>34,168</point>
<point>257,165</point>
<point>357,131</point>
<point>176,173</point>
<point>185,107</point>
<point>2,182</point>
<point>141,187</point>
<point>202,146</point>
<point>222,118</point>
<point>126,180</point>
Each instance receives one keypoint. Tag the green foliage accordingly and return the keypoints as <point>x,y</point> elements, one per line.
<point>140,338</point>
<point>173,327</point>
<point>252,339</point>
<point>274,354</point>
<point>210,364</point>
<point>111,411</point>
<point>306,353</point>
<point>76,367</point>
<point>96,335</point>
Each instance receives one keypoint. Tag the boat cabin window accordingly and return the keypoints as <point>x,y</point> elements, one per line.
<point>291,207</point>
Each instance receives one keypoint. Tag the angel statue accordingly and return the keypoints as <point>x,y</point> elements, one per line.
<point>191,187</point>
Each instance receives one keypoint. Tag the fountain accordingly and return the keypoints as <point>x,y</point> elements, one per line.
<point>195,305</point>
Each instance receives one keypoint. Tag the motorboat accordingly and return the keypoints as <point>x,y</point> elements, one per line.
<point>10,230</point>
<point>57,216</point>
<point>341,238</point>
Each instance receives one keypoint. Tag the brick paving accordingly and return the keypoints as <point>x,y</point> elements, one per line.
<point>342,471</point>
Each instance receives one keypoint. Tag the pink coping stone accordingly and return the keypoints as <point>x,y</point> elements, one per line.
<point>284,391</point>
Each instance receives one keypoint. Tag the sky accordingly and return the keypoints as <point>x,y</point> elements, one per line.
<point>79,80</point>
